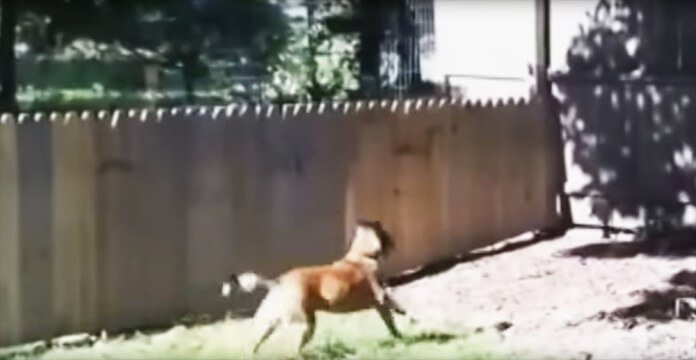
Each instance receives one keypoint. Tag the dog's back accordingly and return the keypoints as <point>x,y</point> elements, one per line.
<point>340,287</point>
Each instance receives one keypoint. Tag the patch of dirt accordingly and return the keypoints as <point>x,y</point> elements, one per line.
<point>556,300</point>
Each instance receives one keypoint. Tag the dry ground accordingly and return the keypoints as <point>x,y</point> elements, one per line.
<point>577,297</point>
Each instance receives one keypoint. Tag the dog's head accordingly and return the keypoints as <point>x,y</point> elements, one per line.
<point>371,240</point>
<point>228,285</point>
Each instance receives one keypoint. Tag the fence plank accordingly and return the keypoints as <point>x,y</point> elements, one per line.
<point>143,169</point>
<point>372,181</point>
<point>210,211</point>
<point>305,162</point>
<point>74,225</point>
<point>418,150</point>
<point>35,221</point>
<point>10,275</point>
<point>460,224</point>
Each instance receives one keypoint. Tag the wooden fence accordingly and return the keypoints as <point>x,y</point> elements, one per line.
<point>133,218</point>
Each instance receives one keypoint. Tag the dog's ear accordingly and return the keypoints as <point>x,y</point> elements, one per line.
<point>233,278</point>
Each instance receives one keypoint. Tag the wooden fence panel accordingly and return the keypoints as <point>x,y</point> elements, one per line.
<point>134,219</point>
<point>372,179</point>
<point>74,224</point>
<point>143,172</point>
<point>10,246</point>
<point>309,181</point>
<point>34,147</point>
<point>418,148</point>
<point>471,195</point>
<point>498,180</point>
<point>212,225</point>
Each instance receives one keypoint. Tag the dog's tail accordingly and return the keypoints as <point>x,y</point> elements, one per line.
<point>246,282</point>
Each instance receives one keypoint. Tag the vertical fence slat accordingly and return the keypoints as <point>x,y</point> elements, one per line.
<point>211,220</point>
<point>459,190</point>
<point>74,225</point>
<point>35,212</point>
<point>10,273</point>
<point>112,170</point>
<point>483,146</point>
<point>246,147</point>
<point>519,169</point>
<point>143,168</point>
<point>162,223</point>
<point>372,183</point>
<point>418,148</point>
<point>308,170</point>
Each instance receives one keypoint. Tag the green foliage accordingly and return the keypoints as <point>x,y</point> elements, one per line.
<point>79,74</point>
<point>98,98</point>
<point>187,35</point>
<point>166,28</point>
<point>316,64</point>
<point>240,49</point>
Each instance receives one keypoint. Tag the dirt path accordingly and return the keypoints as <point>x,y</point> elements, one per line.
<point>578,297</point>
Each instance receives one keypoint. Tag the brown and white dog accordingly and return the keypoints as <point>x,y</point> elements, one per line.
<point>346,285</point>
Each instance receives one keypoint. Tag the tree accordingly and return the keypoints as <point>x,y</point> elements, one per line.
<point>183,33</point>
<point>371,20</point>
<point>317,64</point>
<point>8,79</point>
<point>175,33</point>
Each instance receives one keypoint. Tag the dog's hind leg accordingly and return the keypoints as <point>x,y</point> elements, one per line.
<point>388,319</point>
<point>264,332</point>
<point>311,320</point>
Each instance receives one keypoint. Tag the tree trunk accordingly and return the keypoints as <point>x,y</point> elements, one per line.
<point>408,48</point>
<point>8,79</point>
<point>315,91</point>
<point>188,69</point>
<point>371,33</point>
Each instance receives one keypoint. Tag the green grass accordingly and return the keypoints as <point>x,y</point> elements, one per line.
<point>357,336</point>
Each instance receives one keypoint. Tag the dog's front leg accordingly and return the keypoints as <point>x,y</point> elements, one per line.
<point>398,308</point>
<point>393,304</point>
<point>388,319</point>
<point>383,298</point>
<point>377,290</point>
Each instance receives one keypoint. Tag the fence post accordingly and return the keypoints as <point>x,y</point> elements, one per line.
<point>550,110</point>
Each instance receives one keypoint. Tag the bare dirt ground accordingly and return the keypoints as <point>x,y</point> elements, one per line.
<point>577,297</point>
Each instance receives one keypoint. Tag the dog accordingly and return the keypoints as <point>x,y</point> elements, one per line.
<point>346,285</point>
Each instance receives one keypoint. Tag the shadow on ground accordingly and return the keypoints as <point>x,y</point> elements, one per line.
<point>445,264</point>
<point>339,350</point>
<point>676,244</point>
<point>657,305</point>
<point>426,337</point>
